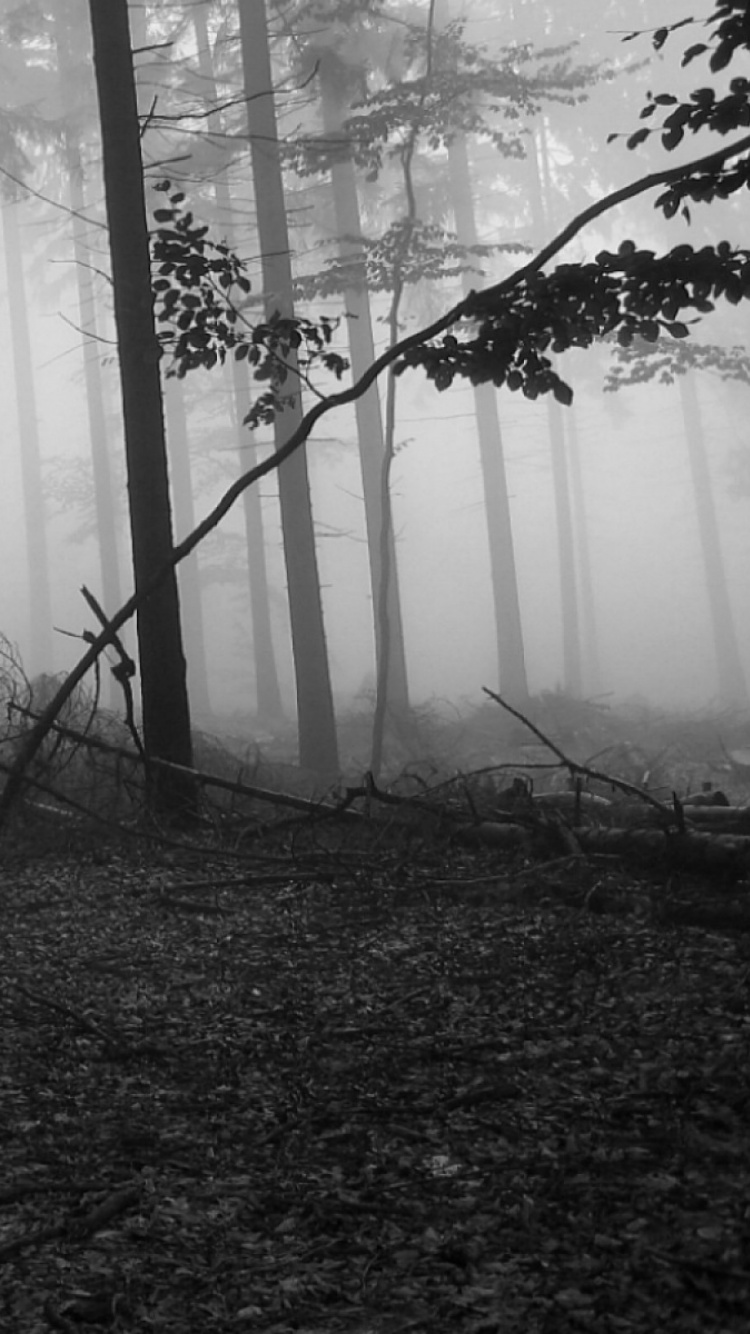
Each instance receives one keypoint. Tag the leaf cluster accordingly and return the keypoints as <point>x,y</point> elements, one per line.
<point>461,93</point>
<point>201,292</point>
<point>705,109</point>
<point>632,294</point>
<point>641,363</point>
<point>413,249</point>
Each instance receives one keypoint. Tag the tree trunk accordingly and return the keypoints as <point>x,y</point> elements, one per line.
<point>592,673</point>
<point>104,506</point>
<point>571,645</point>
<point>188,574</point>
<point>268,699</point>
<point>571,638</point>
<point>367,408</point>
<point>40,656</point>
<point>731,677</point>
<point>318,748</point>
<point>508,627</point>
<point>166,716</point>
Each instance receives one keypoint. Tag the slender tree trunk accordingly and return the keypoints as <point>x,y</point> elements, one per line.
<point>166,717</point>
<point>106,517</point>
<point>318,748</point>
<point>40,656</point>
<point>269,703</point>
<point>367,408</point>
<point>731,676</point>
<point>188,574</point>
<point>571,638</point>
<point>572,676</point>
<point>592,674</point>
<point>508,627</point>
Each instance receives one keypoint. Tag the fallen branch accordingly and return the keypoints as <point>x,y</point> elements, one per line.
<point>583,770</point>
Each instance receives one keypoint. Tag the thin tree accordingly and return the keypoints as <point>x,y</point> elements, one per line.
<point>318,747</point>
<point>37,549</point>
<point>166,716</point>
<point>189,575</point>
<point>541,217</point>
<point>106,523</point>
<point>268,699</point>
<point>370,433</point>
<point>730,672</point>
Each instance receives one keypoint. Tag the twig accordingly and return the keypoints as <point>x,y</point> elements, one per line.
<point>575,768</point>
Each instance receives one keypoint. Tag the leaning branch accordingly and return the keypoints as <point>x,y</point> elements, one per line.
<point>468,307</point>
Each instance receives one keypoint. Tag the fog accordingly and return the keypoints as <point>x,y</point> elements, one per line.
<point>651,633</point>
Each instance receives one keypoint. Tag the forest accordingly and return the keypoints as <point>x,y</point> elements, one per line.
<point>375,742</point>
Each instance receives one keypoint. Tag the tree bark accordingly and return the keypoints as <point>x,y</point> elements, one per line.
<point>166,717</point>
<point>318,747</point>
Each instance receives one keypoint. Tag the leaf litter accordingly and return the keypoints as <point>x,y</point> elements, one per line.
<point>362,1103</point>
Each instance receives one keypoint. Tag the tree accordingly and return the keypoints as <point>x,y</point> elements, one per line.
<point>268,700</point>
<point>507,333</point>
<point>37,556</point>
<point>332,77</point>
<point>69,72</point>
<point>318,747</point>
<point>166,717</point>
<point>679,365</point>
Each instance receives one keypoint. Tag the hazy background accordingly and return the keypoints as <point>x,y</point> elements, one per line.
<point>650,596</point>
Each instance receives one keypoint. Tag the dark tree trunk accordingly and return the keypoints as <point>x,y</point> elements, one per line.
<point>318,748</point>
<point>166,716</point>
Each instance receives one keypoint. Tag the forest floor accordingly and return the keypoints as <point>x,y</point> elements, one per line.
<point>368,1094</point>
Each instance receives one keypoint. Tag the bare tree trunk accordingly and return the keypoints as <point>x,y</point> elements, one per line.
<point>369,419</point>
<point>40,657</point>
<point>188,575</point>
<point>592,673</point>
<point>106,517</point>
<point>571,637</point>
<point>268,699</point>
<point>269,704</point>
<point>731,676</point>
<point>508,628</point>
<point>318,747</point>
<point>166,716</point>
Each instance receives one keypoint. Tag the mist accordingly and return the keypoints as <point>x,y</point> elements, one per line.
<point>644,605</point>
